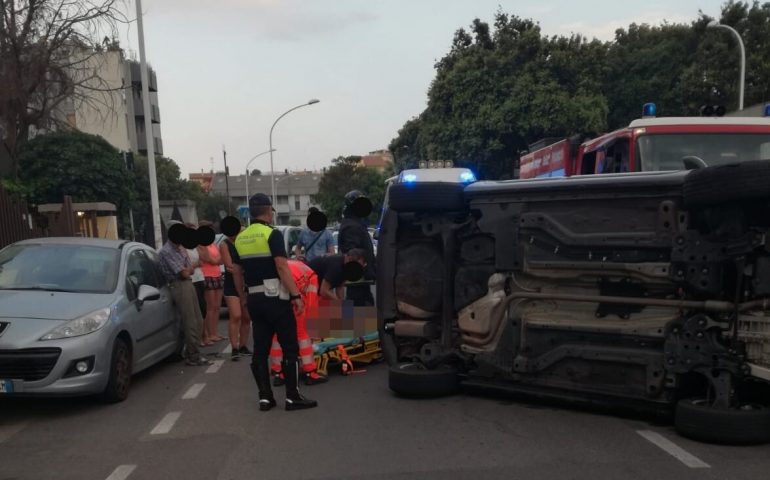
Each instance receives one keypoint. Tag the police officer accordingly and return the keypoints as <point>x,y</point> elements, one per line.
<point>272,296</point>
<point>353,234</point>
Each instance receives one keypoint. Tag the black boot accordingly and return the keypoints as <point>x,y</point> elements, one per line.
<point>262,377</point>
<point>294,401</point>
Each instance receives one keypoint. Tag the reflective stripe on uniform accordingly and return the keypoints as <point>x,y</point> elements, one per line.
<point>255,255</point>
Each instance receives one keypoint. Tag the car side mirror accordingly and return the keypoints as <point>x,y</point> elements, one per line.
<point>147,293</point>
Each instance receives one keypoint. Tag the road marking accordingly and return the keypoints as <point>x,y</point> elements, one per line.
<point>7,431</point>
<point>122,472</point>
<point>214,368</point>
<point>673,449</point>
<point>193,391</point>
<point>166,424</point>
<point>228,349</point>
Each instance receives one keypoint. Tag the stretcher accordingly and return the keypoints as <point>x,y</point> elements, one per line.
<point>347,353</point>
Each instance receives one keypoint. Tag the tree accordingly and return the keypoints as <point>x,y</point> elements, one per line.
<point>255,173</point>
<point>497,91</point>
<point>83,166</point>
<point>48,51</point>
<point>500,89</point>
<point>170,187</point>
<point>345,175</point>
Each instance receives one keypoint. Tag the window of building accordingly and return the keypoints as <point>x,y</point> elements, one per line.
<point>296,202</point>
<point>283,199</point>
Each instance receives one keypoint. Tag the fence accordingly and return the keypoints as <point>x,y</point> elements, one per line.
<point>19,222</point>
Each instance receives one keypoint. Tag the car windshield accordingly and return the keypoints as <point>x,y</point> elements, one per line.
<point>665,151</point>
<point>62,268</point>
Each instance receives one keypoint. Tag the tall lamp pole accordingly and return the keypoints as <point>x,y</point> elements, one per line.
<point>272,170</point>
<point>248,222</point>
<point>148,130</point>
<point>716,24</point>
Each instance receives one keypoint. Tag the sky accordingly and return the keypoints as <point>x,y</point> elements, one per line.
<point>227,69</point>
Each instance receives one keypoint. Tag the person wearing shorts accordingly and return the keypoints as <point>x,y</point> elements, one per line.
<point>239,324</point>
<point>213,284</point>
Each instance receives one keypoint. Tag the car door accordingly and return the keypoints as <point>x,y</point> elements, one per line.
<point>149,323</point>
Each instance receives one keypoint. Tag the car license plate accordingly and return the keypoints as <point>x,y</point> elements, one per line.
<point>6,386</point>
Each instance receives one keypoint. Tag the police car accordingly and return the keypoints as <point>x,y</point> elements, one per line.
<point>441,184</point>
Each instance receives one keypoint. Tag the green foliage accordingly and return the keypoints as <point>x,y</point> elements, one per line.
<point>503,87</point>
<point>209,206</point>
<point>343,176</point>
<point>83,166</point>
<point>294,222</point>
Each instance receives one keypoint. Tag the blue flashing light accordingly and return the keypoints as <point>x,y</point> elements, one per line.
<point>767,110</point>
<point>410,178</point>
<point>649,110</point>
<point>467,177</point>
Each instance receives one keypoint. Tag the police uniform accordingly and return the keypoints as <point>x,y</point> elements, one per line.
<point>269,307</point>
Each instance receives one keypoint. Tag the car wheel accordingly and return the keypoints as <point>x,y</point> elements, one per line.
<point>416,380</point>
<point>427,197</point>
<point>714,185</point>
<point>748,424</point>
<point>119,382</point>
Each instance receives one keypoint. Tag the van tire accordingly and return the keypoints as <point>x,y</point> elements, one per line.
<point>697,420</point>
<point>415,380</point>
<point>426,197</point>
<point>714,185</point>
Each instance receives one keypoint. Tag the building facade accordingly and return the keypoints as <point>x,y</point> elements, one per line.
<point>108,101</point>
<point>295,192</point>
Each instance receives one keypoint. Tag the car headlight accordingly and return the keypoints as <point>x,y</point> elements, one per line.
<point>80,326</point>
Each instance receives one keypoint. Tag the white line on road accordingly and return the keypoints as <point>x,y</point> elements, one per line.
<point>673,449</point>
<point>122,472</point>
<point>227,349</point>
<point>214,368</point>
<point>7,431</point>
<point>193,391</point>
<point>166,424</point>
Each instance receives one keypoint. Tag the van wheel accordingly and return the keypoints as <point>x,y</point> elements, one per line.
<point>119,382</point>
<point>415,380</point>
<point>739,181</point>
<point>748,424</point>
<point>427,197</point>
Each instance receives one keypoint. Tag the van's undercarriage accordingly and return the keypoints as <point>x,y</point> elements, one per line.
<point>649,289</point>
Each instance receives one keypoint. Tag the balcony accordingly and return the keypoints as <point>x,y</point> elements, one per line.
<point>136,76</point>
<point>139,111</point>
<point>141,143</point>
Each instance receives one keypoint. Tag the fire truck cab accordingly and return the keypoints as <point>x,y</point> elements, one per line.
<point>655,144</point>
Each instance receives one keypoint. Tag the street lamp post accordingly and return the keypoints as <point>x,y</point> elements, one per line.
<point>716,24</point>
<point>248,222</point>
<point>272,170</point>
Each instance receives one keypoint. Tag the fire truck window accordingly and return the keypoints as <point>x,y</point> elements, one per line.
<point>588,166</point>
<point>616,159</point>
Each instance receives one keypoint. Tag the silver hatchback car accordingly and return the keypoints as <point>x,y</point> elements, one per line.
<point>79,316</point>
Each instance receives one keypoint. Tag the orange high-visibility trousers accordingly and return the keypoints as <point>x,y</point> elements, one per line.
<point>307,282</point>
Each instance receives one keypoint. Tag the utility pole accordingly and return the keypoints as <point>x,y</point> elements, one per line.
<point>148,130</point>
<point>227,182</point>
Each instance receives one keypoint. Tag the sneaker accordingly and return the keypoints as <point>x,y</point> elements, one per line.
<point>278,379</point>
<point>198,362</point>
<point>266,404</point>
<point>300,403</point>
<point>315,378</point>
<point>244,351</point>
<point>235,355</point>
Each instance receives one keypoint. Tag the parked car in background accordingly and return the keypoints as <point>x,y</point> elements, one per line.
<point>79,316</point>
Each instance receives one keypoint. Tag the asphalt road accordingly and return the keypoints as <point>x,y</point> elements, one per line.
<point>203,423</point>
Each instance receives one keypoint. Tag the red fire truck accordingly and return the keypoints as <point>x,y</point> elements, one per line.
<point>655,143</point>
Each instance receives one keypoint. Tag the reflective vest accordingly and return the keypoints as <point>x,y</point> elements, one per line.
<point>257,260</point>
